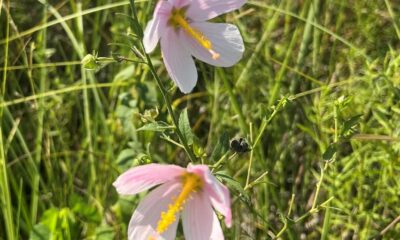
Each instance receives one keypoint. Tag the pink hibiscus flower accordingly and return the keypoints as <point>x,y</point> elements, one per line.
<point>181,25</point>
<point>191,193</point>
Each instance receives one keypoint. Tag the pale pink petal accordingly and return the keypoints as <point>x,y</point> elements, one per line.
<point>180,3</point>
<point>152,34</point>
<point>200,221</point>
<point>178,61</point>
<point>216,192</point>
<point>144,177</point>
<point>156,26</point>
<point>226,41</point>
<point>201,10</point>
<point>145,219</point>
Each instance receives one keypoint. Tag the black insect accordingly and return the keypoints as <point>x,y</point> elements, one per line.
<point>240,145</point>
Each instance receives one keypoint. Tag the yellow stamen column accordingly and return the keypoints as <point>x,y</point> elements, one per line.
<point>191,184</point>
<point>178,19</point>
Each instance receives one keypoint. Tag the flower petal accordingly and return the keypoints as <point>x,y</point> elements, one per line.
<point>178,61</point>
<point>200,221</point>
<point>217,193</point>
<point>201,10</point>
<point>144,220</point>
<point>144,177</point>
<point>226,41</point>
<point>156,26</point>
<point>179,3</point>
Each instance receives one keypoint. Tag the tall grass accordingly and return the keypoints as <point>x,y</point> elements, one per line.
<point>316,96</point>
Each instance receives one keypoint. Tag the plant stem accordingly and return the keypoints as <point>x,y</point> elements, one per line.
<point>5,197</point>
<point>326,165</point>
<point>251,159</point>
<point>163,91</point>
<point>234,102</point>
<point>301,218</point>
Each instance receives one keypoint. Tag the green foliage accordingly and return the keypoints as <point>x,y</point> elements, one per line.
<point>55,224</point>
<point>220,148</point>
<point>184,126</point>
<point>323,165</point>
<point>155,127</point>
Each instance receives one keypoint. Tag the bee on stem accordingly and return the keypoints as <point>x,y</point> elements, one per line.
<point>240,145</point>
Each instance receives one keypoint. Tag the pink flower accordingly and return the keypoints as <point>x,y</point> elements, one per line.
<point>181,25</point>
<point>191,193</point>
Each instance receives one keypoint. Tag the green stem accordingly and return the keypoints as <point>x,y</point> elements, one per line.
<point>265,122</point>
<point>235,104</point>
<point>251,159</point>
<point>136,26</point>
<point>319,185</point>
<point>327,217</point>
<point>40,122</point>
<point>281,231</point>
<point>326,165</point>
<point>301,218</point>
<point>222,159</point>
<point>169,107</point>
<point>5,197</point>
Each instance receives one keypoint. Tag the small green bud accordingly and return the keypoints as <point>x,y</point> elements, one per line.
<point>149,115</point>
<point>89,62</point>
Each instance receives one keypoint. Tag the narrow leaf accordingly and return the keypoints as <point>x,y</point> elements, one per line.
<point>184,126</point>
<point>221,148</point>
<point>155,127</point>
<point>330,151</point>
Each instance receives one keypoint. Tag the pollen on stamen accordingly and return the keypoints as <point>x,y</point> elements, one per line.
<point>191,184</point>
<point>214,54</point>
<point>167,218</point>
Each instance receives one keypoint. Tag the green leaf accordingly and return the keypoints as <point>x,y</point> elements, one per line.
<point>125,156</point>
<point>40,232</point>
<point>125,74</point>
<point>50,218</point>
<point>184,126</point>
<point>221,148</point>
<point>87,212</point>
<point>233,184</point>
<point>56,224</point>
<point>330,151</point>
<point>105,233</point>
<point>126,205</point>
<point>349,125</point>
<point>155,127</point>
<point>343,101</point>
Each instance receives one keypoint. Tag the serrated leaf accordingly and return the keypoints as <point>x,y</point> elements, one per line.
<point>184,126</point>
<point>155,127</point>
<point>221,148</point>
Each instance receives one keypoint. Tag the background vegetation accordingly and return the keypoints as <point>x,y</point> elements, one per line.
<point>316,96</point>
